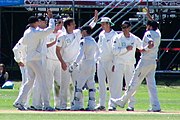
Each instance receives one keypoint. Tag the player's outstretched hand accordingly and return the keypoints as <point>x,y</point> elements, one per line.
<point>49,13</point>
<point>145,9</point>
<point>95,16</point>
<point>147,13</point>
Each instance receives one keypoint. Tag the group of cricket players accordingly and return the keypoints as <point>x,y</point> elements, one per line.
<point>54,56</point>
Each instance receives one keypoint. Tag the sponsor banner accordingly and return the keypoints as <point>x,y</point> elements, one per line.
<point>99,2</point>
<point>11,2</point>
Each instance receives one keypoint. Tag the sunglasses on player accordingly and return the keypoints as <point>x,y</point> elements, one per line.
<point>124,27</point>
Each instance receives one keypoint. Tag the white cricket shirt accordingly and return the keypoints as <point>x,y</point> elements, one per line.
<point>120,43</point>
<point>154,36</point>
<point>70,45</point>
<point>105,45</point>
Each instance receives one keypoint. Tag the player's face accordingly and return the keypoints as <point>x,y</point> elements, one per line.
<point>105,26</point>
<point>84,33</point>
<point>59,25</point>
<point>72,25</point>
<point>36,24</point>
<point>42,24</point>
<point>125,28</point>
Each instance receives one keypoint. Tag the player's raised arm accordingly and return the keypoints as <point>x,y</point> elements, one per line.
<point>49,13</point>
<point>93,23</point>
<point>95,16</point>
<point>148,14</point>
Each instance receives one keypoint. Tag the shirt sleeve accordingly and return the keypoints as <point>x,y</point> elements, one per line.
<point>92,24</point>
<point>81,53</point>
<point>147,38</point>
<point>45,32</point>
<point>78,34</point>
<point>26,38</point>
<point>18,50</point>
<point>139,43</point>
<point>60,41</point>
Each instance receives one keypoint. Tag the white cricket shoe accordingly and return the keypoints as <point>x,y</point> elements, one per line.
<point>118,102</point>
<point>151,110</point>
<point>111,108</point>
<point>19,106</point>
<point>100,108</point>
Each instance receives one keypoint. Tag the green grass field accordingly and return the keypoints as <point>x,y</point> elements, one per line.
<point>169,98</point>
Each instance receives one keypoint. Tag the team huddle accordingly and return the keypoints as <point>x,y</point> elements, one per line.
<point>57,56</point>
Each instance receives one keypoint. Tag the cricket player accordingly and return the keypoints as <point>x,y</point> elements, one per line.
<point>67,50</point>
<point>19,51</point>
<point>53,65</point>
<point>105,63</point>
<point>86,61</point>
<point>145,69</point>
<point>124,48</point>
<point>37,101</point>
<point>32,38</point>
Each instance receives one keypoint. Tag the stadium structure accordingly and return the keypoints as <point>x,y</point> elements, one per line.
<point>13,19</point>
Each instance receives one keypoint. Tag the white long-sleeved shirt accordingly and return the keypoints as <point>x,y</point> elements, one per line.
<point>120,42</point>
<point>19,51</point>
<point>89,50</point>
<point>33,37</point>
<point>155,36</point>
<point>105,45</point>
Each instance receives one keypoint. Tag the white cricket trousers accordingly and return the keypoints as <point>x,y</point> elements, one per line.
<point>145,69</point>
<point>35,73</point>
<point>31,68</point>
<point>125,71</point>
<point>66,79</point>
<point>24,76</point>
<point>54,74</point>
<point>104,71</point>
<point>41,96</point>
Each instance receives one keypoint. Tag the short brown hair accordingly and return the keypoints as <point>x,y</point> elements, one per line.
<point>68,21</point>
